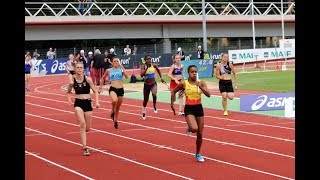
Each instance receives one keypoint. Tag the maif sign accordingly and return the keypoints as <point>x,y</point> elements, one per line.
<point>252,55</point>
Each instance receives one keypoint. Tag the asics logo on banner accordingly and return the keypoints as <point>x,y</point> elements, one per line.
<point>259,103</point>
<point>56,65</point>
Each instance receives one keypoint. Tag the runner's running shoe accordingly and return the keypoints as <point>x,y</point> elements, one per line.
<point>199,158</point>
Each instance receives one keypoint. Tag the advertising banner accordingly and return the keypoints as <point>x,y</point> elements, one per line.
<point>50,66</point>
<point>34,71</point>
<point>263,102</point>
<point>214,55</point>
<point>127,61</point>
<point>287,43</point>
<point>252,55</point>
<point>58,66</point>
<point>163,60</point>
<point>205,67</point>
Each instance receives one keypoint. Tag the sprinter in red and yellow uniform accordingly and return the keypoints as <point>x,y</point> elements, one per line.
<point>193,111</point>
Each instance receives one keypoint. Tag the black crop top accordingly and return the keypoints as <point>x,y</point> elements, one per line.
<point>81,88</point>
<point>225,69</point>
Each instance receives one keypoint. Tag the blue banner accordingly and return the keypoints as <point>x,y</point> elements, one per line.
<point>58,66</point>
<point>48,66</point>
<point>162,59</point>
<point>262,102</point>
<point>204,67</point>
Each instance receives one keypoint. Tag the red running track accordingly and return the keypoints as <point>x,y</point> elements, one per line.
<point>239,146</point>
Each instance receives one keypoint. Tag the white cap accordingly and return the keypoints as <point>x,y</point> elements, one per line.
<point>82,51</point>
<point>199,46</point>
<point>90,52</point>
<point>179,48</point>
<point>111,50</point>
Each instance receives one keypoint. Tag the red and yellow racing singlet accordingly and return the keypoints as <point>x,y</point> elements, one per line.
<point>192,96</point>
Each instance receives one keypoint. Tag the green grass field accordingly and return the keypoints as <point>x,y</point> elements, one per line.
<point>281,82</point>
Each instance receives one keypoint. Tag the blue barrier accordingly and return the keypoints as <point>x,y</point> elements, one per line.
<point>58,66</point>
<point>162,59</point>
<point>263,102</point>
<point>46,67</point>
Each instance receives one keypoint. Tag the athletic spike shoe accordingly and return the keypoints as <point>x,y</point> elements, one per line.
<point>199,158</point>
<point>116,124</point>
<point>144,116</point>
<point>86,152</point>
<point>155,109</point>
<point>225,113</point>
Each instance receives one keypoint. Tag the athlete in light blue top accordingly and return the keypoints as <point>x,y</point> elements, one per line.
<point>116,74</point>
<point>116,91</point>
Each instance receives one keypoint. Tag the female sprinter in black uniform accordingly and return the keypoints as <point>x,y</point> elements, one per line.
<point>82,104</point>
<point>223,71</point>
<point>193,111</point>
<point>150,84</point>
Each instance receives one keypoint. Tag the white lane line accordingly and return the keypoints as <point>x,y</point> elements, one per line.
<point>169,148</point>
<point>102,151</point>
<point>60,166</point>
<point>136,129</point>
<point>172,120</point>
<point>213,117</point>
<point>173,132</point>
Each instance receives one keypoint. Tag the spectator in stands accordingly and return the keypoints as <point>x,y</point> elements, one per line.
<point>223,73</point>
<point>291,7</point>
<point>97,66</point>
<point>135,49</point>
<point>51,54</point>
<point>89,59</point>
<point>89,4</point>
<point>112,52</point>
<point>181,53</point>
<point>77,57</point>
<point>35,55</point>
<point>127,51</point>
<point>200,53</point>
<point>83,59</point>
<point>81,6</point>
<point>108,64</point>
<point>107,59</point>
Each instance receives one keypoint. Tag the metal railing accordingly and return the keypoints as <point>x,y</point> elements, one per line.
<point>58,9</point>
<point>158,48</point>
